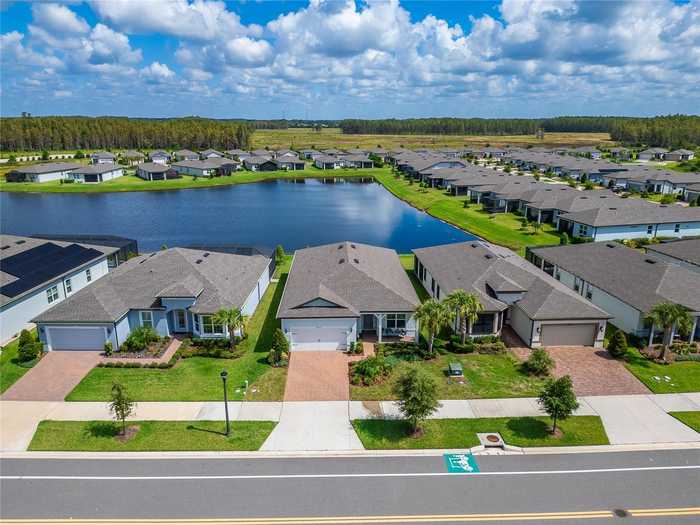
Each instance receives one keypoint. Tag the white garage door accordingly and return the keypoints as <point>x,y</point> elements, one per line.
<point>319,338</point>
<point>568,334</point>
<point>74,338</point>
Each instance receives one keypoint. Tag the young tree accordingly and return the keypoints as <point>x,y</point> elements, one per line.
<point>416,392</point>
<point>558,400</point>
<point>467,308</point>
<point>121,406</point>
<point>280,347</point>
<point>234,320</point>
<point>279,254</point>
<point>668,316</point>
<point>618,344</point>
<point>564,239</point>
<point>434,316</point>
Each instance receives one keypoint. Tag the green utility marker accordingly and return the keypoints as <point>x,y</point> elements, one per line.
<point>461,463</point>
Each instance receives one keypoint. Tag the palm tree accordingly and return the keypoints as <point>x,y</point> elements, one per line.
<point>670,316</point>
<point>434,315</point>
<point>234,320</point>
<point>467,307</point>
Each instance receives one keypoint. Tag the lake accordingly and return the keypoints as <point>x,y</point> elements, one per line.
<point>292,213</point>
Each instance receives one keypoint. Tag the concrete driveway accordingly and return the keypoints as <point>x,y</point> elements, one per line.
<point>52,378</point>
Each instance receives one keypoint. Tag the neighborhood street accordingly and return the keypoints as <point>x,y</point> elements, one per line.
<point>342,489</point>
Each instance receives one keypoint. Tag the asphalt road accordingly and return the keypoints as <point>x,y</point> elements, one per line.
<point>359,490</point>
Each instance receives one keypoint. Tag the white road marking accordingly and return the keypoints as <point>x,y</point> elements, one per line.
<point>364,475</point>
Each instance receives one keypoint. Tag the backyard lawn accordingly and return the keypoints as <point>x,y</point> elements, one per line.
<point>100,436</point>
<point>485,376</point>
<point>682,377</point>
<point>197,378</point>
<point>500,228</point>
<point>377,434</point>
<point>10,369</point>
<point>408,262</point>
<point>692,419</point>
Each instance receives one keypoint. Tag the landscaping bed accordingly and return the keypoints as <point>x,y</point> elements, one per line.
<point>142,436</point>
<point>378,434</point>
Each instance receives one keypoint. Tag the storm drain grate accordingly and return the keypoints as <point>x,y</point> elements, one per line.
<point>620,513</point>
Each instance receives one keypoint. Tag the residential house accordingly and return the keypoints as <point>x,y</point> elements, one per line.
<point>327,162</point>
<point>652,154</point>
<point>587,151</point>
<point>211,154</point>
<point>684,252</point>
<point>339,292</point>
<point>680,155</point>
<point>356,161</point>
<point>153,171</point>
<point>620,153</point>
<point>289,162</point>
<point>133,157</point>
<point>539,309</point>
<point>622,281</point>
<point>39,273</point>
<point>262,153</point>
<point>185,154</point>
<point>102,157</point>
<point>159,156</point>
<point>237,154</point>
<point>95,173</point>
<point>259,163</point>
<point>42,172</point>
<point>310,154</point>
<point>692,193</point>
<point>173,291</point>
<point>196,168</point>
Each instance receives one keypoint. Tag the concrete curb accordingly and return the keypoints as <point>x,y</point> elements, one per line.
<point>479,450</point>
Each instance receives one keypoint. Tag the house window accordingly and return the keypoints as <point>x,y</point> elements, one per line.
<point>147,319</point>
<point>583,230</point>
<point>589,294</point>
<point>88,275</point>
<point>52,294</point>
<point>437,293</point>
<point>69,286</point>
<point>209,327</point>
<point>112,261</point>
<point>677,228</point>
<point>396,321</point>
<point>432,285</point>
<point>196,323</point>
<point>650,229</point>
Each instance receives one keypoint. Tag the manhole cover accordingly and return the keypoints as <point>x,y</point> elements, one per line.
<point>620,513</point>
<point>492,438</point>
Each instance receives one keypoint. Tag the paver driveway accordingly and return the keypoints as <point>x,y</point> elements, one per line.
<point>317,376</point>
<point>52,378</point>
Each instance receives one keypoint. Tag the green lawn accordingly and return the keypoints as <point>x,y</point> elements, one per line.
<point>99,436</point>
<point>134,183</point>
<point>500,228</point>
<point>486,376</point>
<point>197,378</point>
<point>692,419</point>
<point>685,376</point>
<point>377,434</point>
<point>408,261</point>
<point>10,369</point>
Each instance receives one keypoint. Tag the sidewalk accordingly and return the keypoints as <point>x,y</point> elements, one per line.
<point>306,426</point>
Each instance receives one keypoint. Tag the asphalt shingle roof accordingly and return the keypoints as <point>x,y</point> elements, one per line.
<point>687,250</point>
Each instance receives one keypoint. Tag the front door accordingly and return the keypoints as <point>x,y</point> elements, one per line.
<point>369,323</point>
<point>180,320</point>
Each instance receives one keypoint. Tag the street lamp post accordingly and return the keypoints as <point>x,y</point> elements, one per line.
<point>224,375</point>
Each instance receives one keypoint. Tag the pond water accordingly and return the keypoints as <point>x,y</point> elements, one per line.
<point>292,213</point>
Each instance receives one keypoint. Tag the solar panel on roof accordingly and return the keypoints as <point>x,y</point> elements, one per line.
<point>42,263</point>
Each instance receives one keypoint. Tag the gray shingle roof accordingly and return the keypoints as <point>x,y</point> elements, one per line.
<point>640,213</point>
<point>49,167</point>
<point>355,277</point>
<point>93,169</point>
<point>627,274</point>
<point>153,167</point>
<point>687,250</point>
<point>226,281</point>
<point>482,268</point>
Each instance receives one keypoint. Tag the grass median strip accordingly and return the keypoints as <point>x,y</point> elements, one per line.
<point>382,434</point>
<point>691,419</point>
<point>672,378</point>
<point>103,436</point>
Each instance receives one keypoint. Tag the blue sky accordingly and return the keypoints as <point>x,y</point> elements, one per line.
<point>344,58</point>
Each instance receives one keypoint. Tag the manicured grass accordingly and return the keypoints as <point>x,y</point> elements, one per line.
<point>486,376</point>
<point>197,378</point>
<point>99,436</point>
<point>684,376</point>
<point>377,434</point>
<point>10,369</point>
<point>134,183</point>
<point>692,419</point>
<point>303,138</point>
<point>408,261</point>
<point>500,228</point>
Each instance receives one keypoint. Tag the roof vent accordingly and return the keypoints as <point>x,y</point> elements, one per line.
<point>613,209</point>
<point>340,246</point>
<point>198,261</point>
<point>341,261</point>
<point>206,254</point>
<point>20,242</point>
<point>488,256</point>
<point>610,245</point>
<point>650,261</point>
<point>353,246</point>
<point>357,261</point>
<point>5,247</point>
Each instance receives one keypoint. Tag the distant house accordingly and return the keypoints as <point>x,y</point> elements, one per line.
<point>684,252</point>
<point>173,291</point>
<point>261,153</point>
<point>152,171</point>
<point>652,154</point>
<point>259,163</point>
<point>133,157</point>
<point>357,161</point>
<point>210,154</point>
<point>332,151</point>
<point>692,192</point>
<point>95,173</point>
<point>540,310</point>
<point>337,293</point>
<point>620,153</point>
<point>310,154</point>
<point>288,162</point>
<point>196,168</point>
<point>285,153</point>
<point>42,172</point>
<point>40,273</point>
<point>185,154</point>
<point>102,157</point>
<point>159,156</point>
<point>621,280</point>
<point>680,155</point>
<point>587,151</point>
<point>237,154</point>
<point>327,162</point>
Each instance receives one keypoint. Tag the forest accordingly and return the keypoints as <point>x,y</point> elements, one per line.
<point>668,131</point>
<point>29,133</point>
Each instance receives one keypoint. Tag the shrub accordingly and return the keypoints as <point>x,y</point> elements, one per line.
<point>667,199</point>
<point>79,155</point>
<point>539,363</point>
<point>417,395</point>
<point>29,351</point>
<point>108,348</point>
<point>139,339</point>
<point>25,337</point>
<point>12,159</point>
<point>280,342</point>
<point>370,370</point>
<point>44,155</point>
<point>617,347</point>
<point>564,240</point>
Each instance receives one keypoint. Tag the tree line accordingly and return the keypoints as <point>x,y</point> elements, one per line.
<point>670,131</point>
<point>69,133</point>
